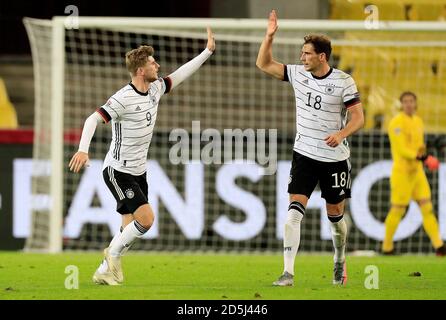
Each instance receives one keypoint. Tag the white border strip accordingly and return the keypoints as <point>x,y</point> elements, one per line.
<point>255,24</point>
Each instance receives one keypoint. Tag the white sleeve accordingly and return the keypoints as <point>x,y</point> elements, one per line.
<point>188,69</point>
<point>88,131</point>
<point>350,94</point>
<point>113,108</point>
<point>289,73</point>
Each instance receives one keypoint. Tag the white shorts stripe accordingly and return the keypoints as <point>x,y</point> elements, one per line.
<point>115,184</point>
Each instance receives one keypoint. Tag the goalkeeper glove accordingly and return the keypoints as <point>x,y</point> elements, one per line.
<point>430,162</point>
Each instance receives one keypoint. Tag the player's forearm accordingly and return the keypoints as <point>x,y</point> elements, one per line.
<point>265,61</point>
<point>356,122</point>
<point>88,131</point>
<point>189,68</point>
<point>265,56</point>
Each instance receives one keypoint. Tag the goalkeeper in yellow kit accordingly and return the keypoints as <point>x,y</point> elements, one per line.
<point>408,180</point>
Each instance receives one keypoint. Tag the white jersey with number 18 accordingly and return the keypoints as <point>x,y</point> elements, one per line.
<point>321,109</point>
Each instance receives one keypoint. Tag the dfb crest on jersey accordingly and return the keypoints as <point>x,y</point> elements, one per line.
<point>129,193</point>
<point>329,89</point>
<point>149,118</point>
<point>153,99</point>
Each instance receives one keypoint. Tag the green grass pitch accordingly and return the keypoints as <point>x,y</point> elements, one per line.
<point>219,277</point>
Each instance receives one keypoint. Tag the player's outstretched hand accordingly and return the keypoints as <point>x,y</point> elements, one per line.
<point>272,24</point>
<point>432,163</point>
<point>79,160</point>
<point>211,40</point>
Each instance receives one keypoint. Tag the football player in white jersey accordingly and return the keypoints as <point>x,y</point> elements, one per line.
<point>321,154</point>
<point>132,111</point>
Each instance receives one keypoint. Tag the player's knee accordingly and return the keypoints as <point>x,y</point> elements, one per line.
<point>424,202</point>
<point>299,198</point>
<point>335,218</point>
<point>144,215</point>
<point>335,209</point>
<point>426,208</point>
<point>398,211</point>
<point>335,212</point>
<point>150,219</point>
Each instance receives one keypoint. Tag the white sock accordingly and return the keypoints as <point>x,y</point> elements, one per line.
<point>339,236</point>
<point>130,233</point>
<point>116,237</point>
<point>124,251</point>
<point>103,267</point>
<point>291,237</point>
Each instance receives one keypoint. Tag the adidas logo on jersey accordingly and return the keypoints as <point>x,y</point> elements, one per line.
<point>137,108</point>
<point>305,81</point>
<point>342,193</point>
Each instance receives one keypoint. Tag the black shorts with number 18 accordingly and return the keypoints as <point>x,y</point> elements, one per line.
<point>334,178</point>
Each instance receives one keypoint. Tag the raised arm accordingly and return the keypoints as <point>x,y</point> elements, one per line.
<point>80,158</point>
<point>190,67</point>
<point>265,61</point>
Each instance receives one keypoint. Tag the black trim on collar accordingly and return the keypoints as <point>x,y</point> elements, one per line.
<point>137,91</point>
<point>324,76</point>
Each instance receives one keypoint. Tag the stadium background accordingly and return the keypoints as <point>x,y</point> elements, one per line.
<point>378,92</point>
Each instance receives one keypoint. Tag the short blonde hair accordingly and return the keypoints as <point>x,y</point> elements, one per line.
<point>137,58</point>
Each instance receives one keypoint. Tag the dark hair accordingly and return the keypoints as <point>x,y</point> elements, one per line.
<point>320,43</point>
<point>137,58</point>
<point>408,93</point>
